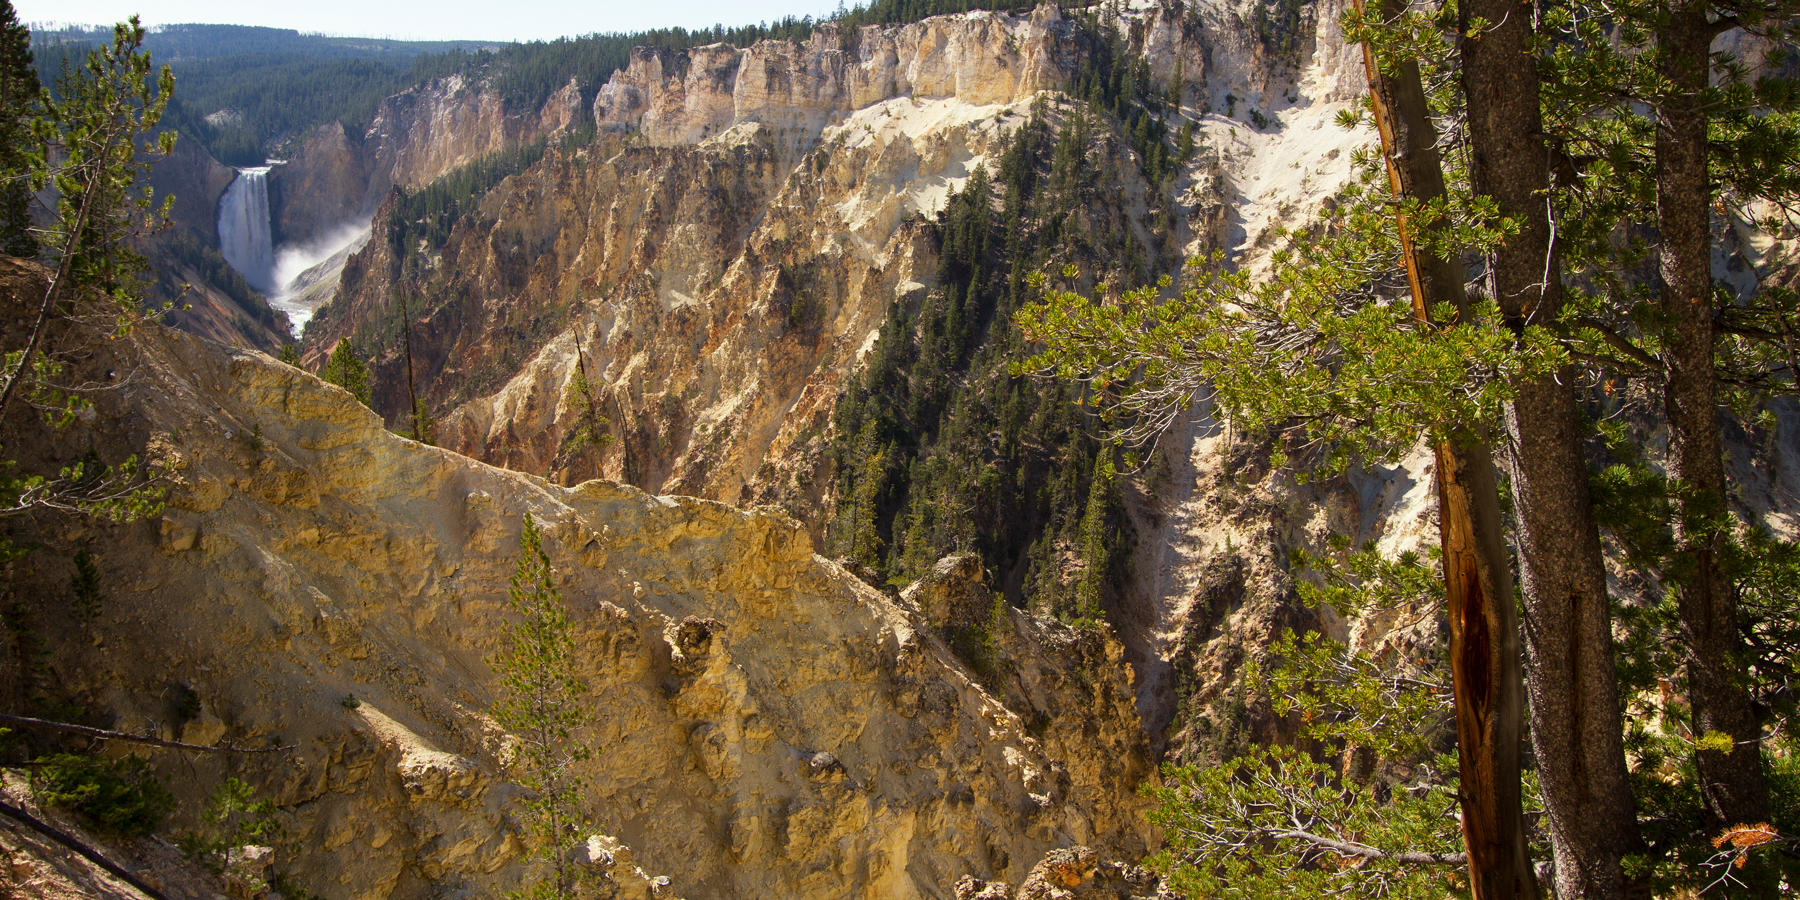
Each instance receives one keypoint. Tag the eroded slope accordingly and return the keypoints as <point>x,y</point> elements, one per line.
<point>765,724</point>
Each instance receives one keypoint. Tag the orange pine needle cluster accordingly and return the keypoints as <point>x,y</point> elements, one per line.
<point>1745,838</point>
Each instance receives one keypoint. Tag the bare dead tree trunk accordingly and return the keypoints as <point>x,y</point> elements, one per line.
<point>81,849</point>
<point>590,405</point>
<point>1576,715</point>
<point>1478,586</point>
<point>105,734</point>
<point>412,396</point>
<point>1732,786</point>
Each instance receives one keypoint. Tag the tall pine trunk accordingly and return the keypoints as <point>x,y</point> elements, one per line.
<point>1732,788</point>
<point>1576,715</point>
<point>1478,585</point>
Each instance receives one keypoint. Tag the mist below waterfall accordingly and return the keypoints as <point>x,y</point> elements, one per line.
<point>290,275</point>
<point>300,268</point>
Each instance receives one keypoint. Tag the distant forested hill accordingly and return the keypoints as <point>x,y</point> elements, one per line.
<point>183,43</point>
<point>269,83</point>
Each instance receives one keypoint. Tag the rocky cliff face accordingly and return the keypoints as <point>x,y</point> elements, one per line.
<point>424,133</point>
<point>725,261</point>
<point>183,280</point>
<point>765,724</point>
<point>196,181</point>
<point>674,254</point>
<point>322,187</point>
<point>719,295</point>
<point>417,136</point>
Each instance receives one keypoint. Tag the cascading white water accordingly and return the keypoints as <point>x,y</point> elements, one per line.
<point>244,228</point>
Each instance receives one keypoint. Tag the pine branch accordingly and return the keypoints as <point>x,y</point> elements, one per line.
<point>1619,342</point>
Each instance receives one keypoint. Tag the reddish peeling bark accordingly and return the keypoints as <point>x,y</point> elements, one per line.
<point>1478,586</point>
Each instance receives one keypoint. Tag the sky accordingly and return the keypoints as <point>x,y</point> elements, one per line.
<point>485,20</point>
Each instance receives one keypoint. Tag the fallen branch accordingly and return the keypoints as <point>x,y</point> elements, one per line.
<point>1346,848</point>
<point>86,852</point>
<point>106,735</point>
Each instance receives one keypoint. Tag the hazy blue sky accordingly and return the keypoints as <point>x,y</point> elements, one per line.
<point>498,20</point>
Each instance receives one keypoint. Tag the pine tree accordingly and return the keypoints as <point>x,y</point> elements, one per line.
<point>21,100</point>
<point>346,369</point>
<point>1732,786</point>
<point>91,147</point>
<point>1478,587</point>
<point>1273,821</point>
<point>1572,681</point>
<point>542,706</point>
<point>88,149</point>
<point>1096,545</point>
<point>419,419</point>
<point>1659,127</point>
<point>591,429</point>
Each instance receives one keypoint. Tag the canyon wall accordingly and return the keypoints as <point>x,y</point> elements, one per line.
<point>322,186</point>
<point>197,181</point>
<point>796,89</point>
<point>726,253</point>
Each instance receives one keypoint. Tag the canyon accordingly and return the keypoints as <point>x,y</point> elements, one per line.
<point>663,256</point>
<point>643,335</point>
<point>766,723</point>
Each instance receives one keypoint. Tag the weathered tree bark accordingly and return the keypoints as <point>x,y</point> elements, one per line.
<point>1576,715</point>
<point>1732,787</point>
<point>1478,585</point>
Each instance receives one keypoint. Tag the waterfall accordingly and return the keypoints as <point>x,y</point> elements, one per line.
<point>295,277</point>
<point>244,228</point>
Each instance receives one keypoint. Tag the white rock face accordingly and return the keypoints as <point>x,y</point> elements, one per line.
<point>980,59</point>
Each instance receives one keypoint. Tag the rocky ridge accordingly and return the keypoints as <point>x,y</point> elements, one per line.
<point>765,724</point>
